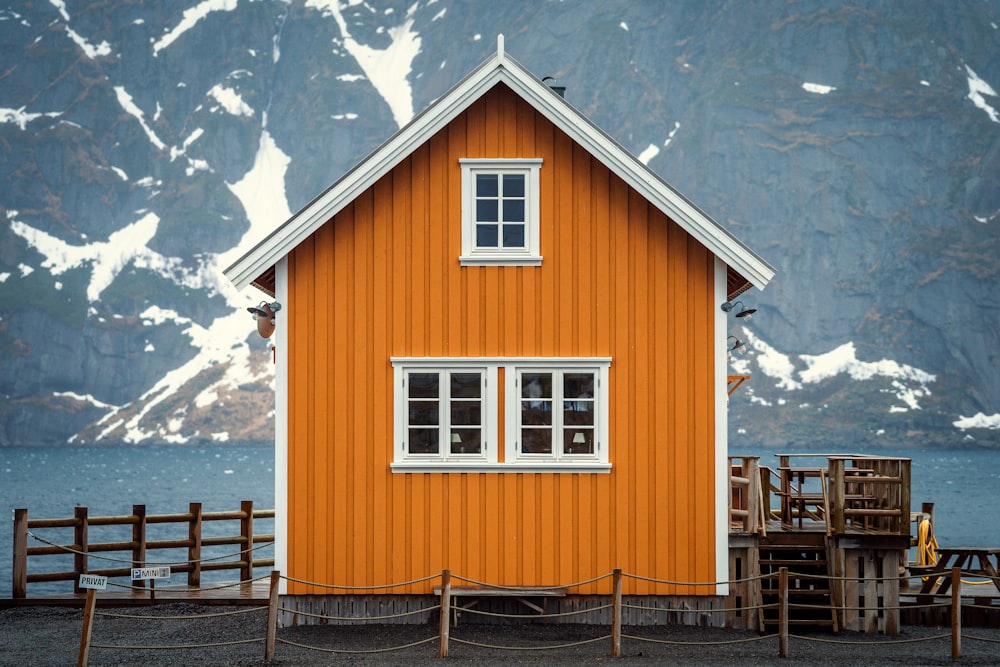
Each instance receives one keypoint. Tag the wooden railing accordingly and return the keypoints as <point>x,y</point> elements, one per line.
<point>747,511</point>
<point>138,548</point>
<point>870,493</point>
<point>851,493</point>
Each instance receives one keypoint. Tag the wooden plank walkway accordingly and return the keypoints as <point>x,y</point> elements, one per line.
<point>252,594</point>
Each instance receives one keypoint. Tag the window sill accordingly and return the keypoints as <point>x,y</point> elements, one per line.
<point>461,467</point>
<point>487,260</point>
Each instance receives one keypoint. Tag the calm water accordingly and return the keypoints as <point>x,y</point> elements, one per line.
<point>963,485</point>
<point>50,481</point>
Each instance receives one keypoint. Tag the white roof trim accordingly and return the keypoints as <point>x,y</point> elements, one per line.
<point>500,68</point>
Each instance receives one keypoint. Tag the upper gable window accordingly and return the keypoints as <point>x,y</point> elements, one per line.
<point>500,222</point>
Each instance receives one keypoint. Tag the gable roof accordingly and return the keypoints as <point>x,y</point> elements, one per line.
<point>259,261</point>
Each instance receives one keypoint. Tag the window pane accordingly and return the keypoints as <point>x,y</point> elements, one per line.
<point>487,185</point>
<point>423,440</point>
<point>536,413</point>
<point>513,236</point>
<point>578,413</point>
<point>486,210</point>
<point>578,385</point>
<point>466,413</point>
<point>536,441</point>
<point>513,185</point>
<point>536,385</point>
<point>578,441</point>
<point>423,413</point>
<point>466,385</point>
<point>513,210</point>
<point>466,441</point>
<point>423,385</point>
<point>486,236</point>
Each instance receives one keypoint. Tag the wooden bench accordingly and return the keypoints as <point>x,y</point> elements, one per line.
<point>523,594</point>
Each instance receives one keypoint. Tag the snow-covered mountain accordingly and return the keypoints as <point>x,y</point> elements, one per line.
<point>856,147</point>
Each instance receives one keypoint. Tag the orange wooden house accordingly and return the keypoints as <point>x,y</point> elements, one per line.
<point>501,351</point>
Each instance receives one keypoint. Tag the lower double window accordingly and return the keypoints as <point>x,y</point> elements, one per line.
<point>448,414</point>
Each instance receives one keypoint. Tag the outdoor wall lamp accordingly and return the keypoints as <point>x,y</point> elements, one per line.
<point>264,314</point>
<point>738,346</point>
<point>743,311</point>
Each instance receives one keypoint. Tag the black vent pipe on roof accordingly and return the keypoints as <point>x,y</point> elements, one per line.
<point>559,90</point>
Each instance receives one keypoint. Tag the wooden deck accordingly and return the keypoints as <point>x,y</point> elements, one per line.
<point>253,593</point>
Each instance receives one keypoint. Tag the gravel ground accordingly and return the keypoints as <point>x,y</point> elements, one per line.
<point>51,636</point>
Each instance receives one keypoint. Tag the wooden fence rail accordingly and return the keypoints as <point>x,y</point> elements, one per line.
<point>139,546</point>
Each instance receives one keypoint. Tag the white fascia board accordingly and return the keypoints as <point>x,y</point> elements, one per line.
<point>649,184</point>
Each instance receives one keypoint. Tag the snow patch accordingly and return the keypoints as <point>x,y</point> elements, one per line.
<point>130,107</point>
<point>844,360</point>
<point>979,420</point>
<point>262,193</point>
<point>649,153</point>
<point>388,68</point>
<point>231,101</point>
<point>773,363</point>
<point>107,259</point>
<point>83,398</point>
<point>818,88</point>
<point>978,88</point>
<point>670,137</point>
<point>191,18</point>
<point>89,50</point>
<point>21,118</point>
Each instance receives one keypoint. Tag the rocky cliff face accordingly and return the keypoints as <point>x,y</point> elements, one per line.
<point>856,148</point>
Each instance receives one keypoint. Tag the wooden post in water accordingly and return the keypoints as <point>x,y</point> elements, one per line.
<point>139,541</point>
<point>445,613</point>
<point>88,626</point>
<point>956,613</point>
<point>272,617</point>
<point>80,525</point>
<point>246,532</point>
<point>783,612</point>
<point>194,550</point>
<point>616,614</point>
<point>19,586</point>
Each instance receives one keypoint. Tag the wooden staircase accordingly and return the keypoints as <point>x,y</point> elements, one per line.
<point>802,554</point>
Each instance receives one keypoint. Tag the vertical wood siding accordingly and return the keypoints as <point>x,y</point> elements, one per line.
<point>618,279</point>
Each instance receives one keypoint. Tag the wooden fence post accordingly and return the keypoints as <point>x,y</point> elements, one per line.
<point>783,612</point>
<point>80,526</point>
<point>272,617</point>
<point>956,613</point>
<point>88,625</point>
<point>20,573</point>
<point>246,532</point>
<point>194,550</point>
<point>616,614</point>
<point>139,541</point>
<point>445,614</point>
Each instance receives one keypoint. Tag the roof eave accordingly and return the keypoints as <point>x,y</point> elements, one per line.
<point>500,68</point>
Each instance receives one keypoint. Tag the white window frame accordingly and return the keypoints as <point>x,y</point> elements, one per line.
<point>489,449</point>
<point>530,255</point>
<point>488,460</point>
<point>513,413</point>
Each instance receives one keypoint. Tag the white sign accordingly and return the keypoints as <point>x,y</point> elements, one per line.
<point>150,573</point>
<point>94,581</point>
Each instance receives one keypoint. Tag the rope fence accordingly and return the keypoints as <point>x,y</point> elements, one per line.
<point>444,608</point>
